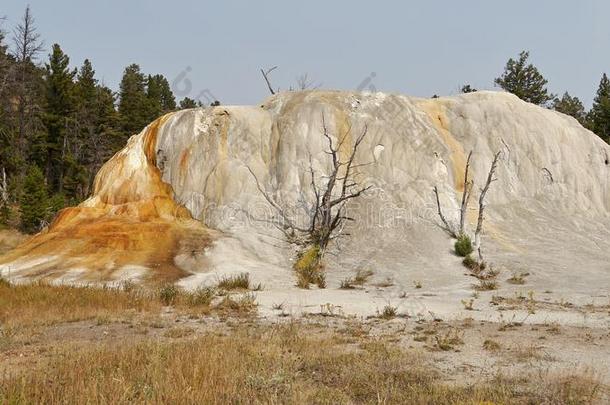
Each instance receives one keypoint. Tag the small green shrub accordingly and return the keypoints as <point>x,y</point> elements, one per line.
<point>463,245</point>
<point>168,294</point>
<point>309,269</point>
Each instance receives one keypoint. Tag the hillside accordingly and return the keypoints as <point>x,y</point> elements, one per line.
<point>179,203</point>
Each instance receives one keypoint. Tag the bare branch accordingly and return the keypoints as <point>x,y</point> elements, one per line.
<point>266,77</point>
<point>328,214</point>
<point>465,194</point>
<point>305,83</point>
<point>446,225</point>
<point>490,179</point>
<point>288,224</point>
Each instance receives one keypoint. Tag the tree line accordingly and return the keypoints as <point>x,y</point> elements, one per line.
<point>525,81</point>
<point>59,123</point>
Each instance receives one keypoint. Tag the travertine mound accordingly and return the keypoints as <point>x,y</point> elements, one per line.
<point>548,212</point>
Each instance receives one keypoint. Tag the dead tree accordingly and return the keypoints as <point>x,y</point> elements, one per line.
<point>468,184</point>
<point>265,74</point>
<point>3,188</point>
<point>490,179</point>
<point>305,83</point>
<point>446,226</point>
<point>27,46</point>
<point>327,215</point>
<point>463,208</point>
<point>465,195</point>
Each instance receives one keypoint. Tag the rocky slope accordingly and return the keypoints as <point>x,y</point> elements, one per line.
<point>179,202</point>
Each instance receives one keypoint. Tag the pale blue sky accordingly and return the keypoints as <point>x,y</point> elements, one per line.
<point>414,47</point>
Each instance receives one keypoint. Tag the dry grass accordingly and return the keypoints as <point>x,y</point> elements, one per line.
<point>39,303</point>
<point>44,304</point>
<point>243,305</point>
<point>238,282</point>
<point>280,364</point>
<point>486,285</point>
<point>517,278</point>
<point>491,345</point>
<point>388,312</point>
<point>361,277</point>
<point>293,363</point>
<point>448,340</point>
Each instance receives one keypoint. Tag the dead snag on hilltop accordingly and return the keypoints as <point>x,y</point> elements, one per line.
<point>265,74</point>
<point>327,214</point>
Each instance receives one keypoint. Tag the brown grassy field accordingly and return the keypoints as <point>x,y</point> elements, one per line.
<point>87,345</point>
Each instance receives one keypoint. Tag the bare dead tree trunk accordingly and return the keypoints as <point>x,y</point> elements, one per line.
<point>446,225</point>
<point>3,188</point>
<point>327,215</point>
<point>330,213</point>
<point>266,77</point>
<point>27,46</point>
<point>490,179</point>
<point>465,195</point>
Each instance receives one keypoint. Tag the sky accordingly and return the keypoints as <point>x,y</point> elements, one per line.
<point>215,49</point>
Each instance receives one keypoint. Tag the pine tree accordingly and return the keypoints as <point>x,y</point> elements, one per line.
<point>160,97</point>
<point>189,103</point>
<point>58,117</point>
<point>34,201</point>
<point>133,101</point>
<point>600,112</point>
<point>109,136</point>
<point>97,121</point>
<point>5,213</point>
<point>524,80</point>
<point>571,106</point>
